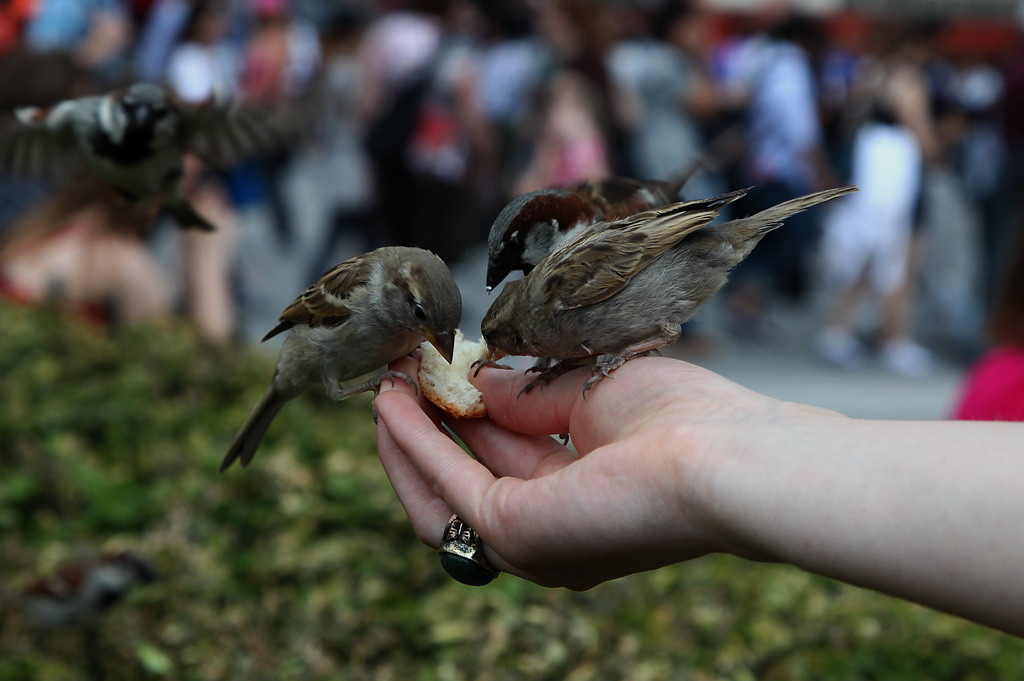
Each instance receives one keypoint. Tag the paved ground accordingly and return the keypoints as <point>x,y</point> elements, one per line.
<point>781,363</point>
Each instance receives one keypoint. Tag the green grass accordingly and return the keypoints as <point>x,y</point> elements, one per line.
<point>304,566</point>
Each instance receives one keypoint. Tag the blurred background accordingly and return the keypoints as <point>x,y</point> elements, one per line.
<point>130,351</point>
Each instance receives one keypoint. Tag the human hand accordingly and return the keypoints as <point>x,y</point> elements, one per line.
<point>638,495</point>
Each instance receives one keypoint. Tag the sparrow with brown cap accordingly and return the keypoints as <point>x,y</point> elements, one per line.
<point>623,288</point>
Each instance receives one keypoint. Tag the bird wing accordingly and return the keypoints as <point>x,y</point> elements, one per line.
<point>326,303</point>
<point>621,197</point>
<point>601,261</point>
<point>40,143</point>
<point>224,133</point>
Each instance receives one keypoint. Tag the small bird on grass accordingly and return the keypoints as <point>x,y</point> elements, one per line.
<point>134,140</point>
<point>623,288</point>
<point>359,317</point>
<point>80,592</point>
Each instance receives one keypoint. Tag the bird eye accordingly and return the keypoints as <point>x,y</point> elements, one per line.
<point>419,311</point>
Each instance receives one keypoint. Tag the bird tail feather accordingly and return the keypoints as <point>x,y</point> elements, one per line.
<point>759,224</point>
<point>243,448</point>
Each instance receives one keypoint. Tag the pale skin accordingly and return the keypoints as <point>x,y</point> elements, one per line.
<point>676,462</point>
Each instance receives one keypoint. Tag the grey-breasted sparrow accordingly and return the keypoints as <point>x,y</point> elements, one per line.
<point>134,140</point>
<point>624,288</point>
<point>359,317</point>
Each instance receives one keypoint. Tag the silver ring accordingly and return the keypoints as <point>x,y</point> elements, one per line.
<point>462,554</point>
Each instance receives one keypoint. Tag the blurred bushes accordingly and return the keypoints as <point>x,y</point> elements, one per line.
<point>304,567</point>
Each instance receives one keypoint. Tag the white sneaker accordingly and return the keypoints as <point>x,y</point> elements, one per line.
<point>841,349</point>
<point>907,358</point>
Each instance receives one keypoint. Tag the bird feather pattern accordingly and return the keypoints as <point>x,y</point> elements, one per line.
<point>759,224</point>
<point>350,325</point>
<point>325,303</point>
<point>223,133</point>
<point>39,142</point>
<point>599,262</point>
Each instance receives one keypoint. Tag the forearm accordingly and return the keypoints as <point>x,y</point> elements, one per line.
<point>930,512</point>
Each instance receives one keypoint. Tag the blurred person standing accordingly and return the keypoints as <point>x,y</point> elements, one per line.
<point>280,61</point>
<point>344,170</point>
<point>202,66</point>
<point>512,61</point>
<point>204,63</point>
<point>159,34</point>
<point>659,73</point>
<point>869,240</point>
<point>570,145</point>
<point>425,128</point>
<point>97,32</point>
<point>785,159</point>
<point>979,90</point>
<point>966,235</point>
<point>577,131</point>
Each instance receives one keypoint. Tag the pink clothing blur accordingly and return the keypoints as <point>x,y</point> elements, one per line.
<point>579,159</point>
<point>994,390</point>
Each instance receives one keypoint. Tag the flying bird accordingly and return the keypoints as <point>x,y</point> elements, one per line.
<point>135,139</point>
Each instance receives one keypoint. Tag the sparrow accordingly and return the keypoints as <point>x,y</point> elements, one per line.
<point>82,591</point>
<point>623,288</point>
<point>134,141</point>
<point>356,319</point>
<point>534,224</point>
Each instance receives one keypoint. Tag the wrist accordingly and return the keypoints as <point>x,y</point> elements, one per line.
<point>752,461</point>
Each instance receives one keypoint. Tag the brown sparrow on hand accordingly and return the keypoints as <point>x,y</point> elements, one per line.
<point>534,224</point>
<point>623,288</point>
<point>359,317</point>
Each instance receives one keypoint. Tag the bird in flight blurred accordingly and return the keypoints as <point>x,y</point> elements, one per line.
<point>135,140</point>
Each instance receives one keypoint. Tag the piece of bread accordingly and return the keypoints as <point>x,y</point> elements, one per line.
<point>447,385</point>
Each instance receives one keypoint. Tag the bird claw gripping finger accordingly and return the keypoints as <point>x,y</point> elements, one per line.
<point>545,376</point>
<point>479,364</point>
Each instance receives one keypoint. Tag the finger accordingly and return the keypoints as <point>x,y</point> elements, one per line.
<point>615,407</point>
<point>426,510</point>
<point>545,410</point>
<point>510,454</point>
<point>445,469</point>
<point>434,476</point>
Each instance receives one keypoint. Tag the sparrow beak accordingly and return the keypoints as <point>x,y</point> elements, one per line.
<point>494,276</point>
<point>443,341</point>
<point>497,269</point>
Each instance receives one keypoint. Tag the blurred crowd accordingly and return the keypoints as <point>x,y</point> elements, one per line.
<point>429,115</point>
